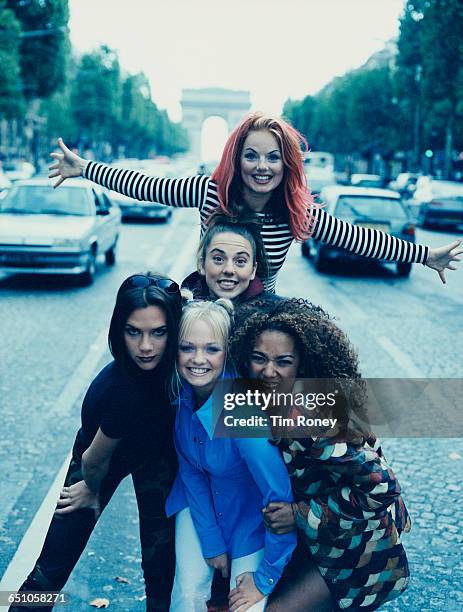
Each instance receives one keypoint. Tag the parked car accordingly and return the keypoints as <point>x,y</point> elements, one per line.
<point>18,169</point>
<point>438,203</point>
<point>57,231</point>
<point>5,183</point>
<point>380,209</point>
<point>366,180</point>
<point>405,183</point>
<point>132,209</point>
<point>319,171</point>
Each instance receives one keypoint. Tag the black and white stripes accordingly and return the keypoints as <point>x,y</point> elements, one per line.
<point>200,192</point>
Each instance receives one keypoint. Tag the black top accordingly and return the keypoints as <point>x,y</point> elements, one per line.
<point>131,404</point>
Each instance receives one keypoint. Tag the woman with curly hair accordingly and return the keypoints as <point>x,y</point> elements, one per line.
<point>348,511</point>
<point>261,171</point>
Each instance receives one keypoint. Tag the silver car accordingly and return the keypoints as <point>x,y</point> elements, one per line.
<point>380,209</point>
<point>57,231</point>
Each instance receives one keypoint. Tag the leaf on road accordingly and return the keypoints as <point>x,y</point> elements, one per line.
<point>122,579</point>
<point>100,602</point>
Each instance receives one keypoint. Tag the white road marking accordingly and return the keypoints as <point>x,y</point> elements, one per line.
<point>32,541</point>
<point>406,365</point>
<point>31,544</point>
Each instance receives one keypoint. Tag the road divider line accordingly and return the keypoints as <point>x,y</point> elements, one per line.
<point>348,305</point>
<point>401,359</point>
<point>152,260</point>
<point>31,544</point>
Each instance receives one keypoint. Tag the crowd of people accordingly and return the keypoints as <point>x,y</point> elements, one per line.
<point>235,522</point>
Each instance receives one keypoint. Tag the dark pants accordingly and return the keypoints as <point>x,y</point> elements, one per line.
<point>68,534</point>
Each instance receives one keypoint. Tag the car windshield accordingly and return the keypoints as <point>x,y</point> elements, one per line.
<point>42,200</point>
<point>447,190</point>
<point>368,207</point>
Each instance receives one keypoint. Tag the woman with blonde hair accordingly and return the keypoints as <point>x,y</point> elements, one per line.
<point>261,171</point>
<point>223,483</point>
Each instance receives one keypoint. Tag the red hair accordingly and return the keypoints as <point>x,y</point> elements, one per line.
<point>299,203</point>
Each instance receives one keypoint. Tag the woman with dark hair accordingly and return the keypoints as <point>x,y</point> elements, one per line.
<point>231,260</point>
<point>261,172</point>
<point>348,511</point>
<point>127,423</point>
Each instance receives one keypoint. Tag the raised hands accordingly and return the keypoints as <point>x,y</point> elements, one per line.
<point>67,165</point>
<point>441,259</point>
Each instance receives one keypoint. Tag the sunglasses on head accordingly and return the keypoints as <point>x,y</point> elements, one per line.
<point>141,281</point>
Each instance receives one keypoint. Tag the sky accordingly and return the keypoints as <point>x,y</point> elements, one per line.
<point>276,49</point>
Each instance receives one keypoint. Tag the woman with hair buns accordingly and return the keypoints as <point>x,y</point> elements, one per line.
<point>261,172</point>
<point>223,483</point>
<point>231,260</point>
<point>127,429</point>
<point>348,510</point>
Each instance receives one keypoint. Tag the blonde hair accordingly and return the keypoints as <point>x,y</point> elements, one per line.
<point>218,315</point>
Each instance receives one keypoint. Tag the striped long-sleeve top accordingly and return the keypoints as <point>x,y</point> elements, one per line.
<point>201,192</point>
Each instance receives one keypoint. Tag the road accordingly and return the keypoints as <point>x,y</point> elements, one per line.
<point>52,342</point>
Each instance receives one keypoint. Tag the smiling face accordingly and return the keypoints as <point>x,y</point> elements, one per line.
<point>275,361</point>
<point>201,358</point>
<point>229,265</point>
<point>145,336</point>
<point>261,168</point>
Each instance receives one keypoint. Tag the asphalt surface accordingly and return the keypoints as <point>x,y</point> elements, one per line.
<point>50,327</point>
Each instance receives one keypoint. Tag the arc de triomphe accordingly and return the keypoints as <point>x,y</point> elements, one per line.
<point>199,104</point>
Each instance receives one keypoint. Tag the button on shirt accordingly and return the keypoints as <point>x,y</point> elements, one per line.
<point>226,483</point>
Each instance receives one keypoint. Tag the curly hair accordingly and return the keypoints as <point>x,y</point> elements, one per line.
<point>324,350</point>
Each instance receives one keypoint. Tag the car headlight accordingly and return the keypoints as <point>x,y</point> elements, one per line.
<point>66,242</point>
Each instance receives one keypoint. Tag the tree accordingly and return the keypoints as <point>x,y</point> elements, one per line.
<point>44,44</point>
<point>96,97</point>
<point>11,97</point>
<point>58,111</point>
<point>442,49</point>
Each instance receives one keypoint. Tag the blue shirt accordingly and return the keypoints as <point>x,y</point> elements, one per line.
<point>226,483</point>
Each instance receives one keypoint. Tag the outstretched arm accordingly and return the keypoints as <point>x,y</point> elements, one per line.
<point>190,192</point>
<point>442,258</point>
<point>376,244</point>
<point>67,165</point>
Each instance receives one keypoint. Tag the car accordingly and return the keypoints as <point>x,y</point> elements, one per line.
<point>366,180</point>
<point>137,210</point>
<point>5,183</point>
<point>438,203</point>
<point>18,169</point>
<point>319,171</point>
<point>405,183</point>
<point>367,207</point>
<point>57,231</point>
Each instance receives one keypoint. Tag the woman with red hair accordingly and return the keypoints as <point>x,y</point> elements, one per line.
<point>261,171</point>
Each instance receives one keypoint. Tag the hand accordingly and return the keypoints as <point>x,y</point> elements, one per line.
<point>440,259</point>
<point>68,164</point>
<point>246,593</point>
<point>221,562</point>
<point>279,517</point>
<point>77,496</point>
